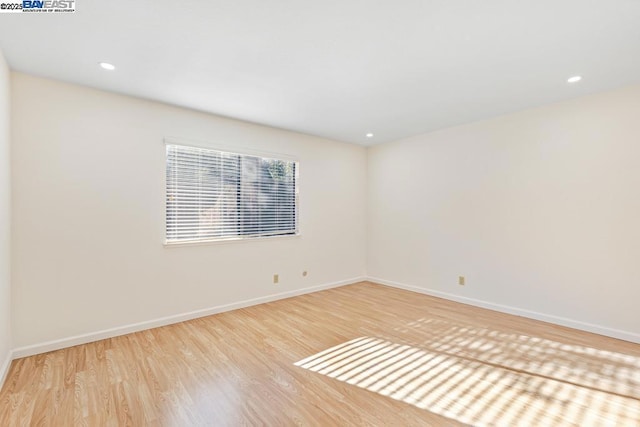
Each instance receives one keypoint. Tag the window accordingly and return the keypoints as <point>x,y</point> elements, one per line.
<point>216,195</point>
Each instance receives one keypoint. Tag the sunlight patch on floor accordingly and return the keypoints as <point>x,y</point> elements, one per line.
<point>477,392</point>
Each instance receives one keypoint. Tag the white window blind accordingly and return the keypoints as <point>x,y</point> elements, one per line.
<point>216,195</point>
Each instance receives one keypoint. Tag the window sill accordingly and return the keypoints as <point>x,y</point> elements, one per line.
<point>231,240</point>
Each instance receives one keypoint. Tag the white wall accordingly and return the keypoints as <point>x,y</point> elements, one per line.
<point>540,210</point>
<point>5,223</point>
<point>88,176</point>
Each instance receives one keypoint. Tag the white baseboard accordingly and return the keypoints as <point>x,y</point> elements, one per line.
<point>168,320</point>
<point>4,368</point>
<point>563,321</point>
<point>141,326</point>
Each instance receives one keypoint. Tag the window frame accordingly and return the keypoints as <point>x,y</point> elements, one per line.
<point>234,150</point>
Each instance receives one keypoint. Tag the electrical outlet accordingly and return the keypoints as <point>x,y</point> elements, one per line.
<point>461,280</point>
<point>276,279</point>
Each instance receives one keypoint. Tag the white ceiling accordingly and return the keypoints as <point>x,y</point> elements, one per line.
<point>337,68</point>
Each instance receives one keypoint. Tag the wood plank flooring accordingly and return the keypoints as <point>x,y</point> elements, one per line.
<point>363,354</point>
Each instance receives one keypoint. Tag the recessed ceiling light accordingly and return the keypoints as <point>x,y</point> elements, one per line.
<point>574,79</point>
<point>107,66</point>
<point>369,135</point>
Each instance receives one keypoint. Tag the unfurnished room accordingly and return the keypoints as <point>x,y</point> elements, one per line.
<point>329,213</point>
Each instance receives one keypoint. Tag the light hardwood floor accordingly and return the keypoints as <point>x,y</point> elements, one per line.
<point>363,354</point>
